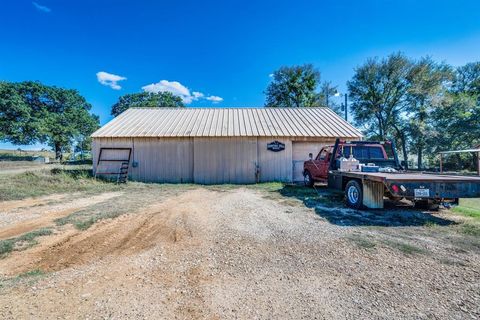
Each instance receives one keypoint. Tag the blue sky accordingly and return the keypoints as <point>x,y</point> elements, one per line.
<point>223,50</point>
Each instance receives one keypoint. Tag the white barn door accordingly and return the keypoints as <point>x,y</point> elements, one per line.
<point>225,160</point>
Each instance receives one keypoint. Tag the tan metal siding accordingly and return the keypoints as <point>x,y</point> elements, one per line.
<point>224,160</point>
<point>163,160</point>
<point>158,159</point>
<point>274,166</point>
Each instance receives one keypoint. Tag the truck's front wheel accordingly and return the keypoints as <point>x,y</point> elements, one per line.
<point>307,179</point>
<point>354,194</point>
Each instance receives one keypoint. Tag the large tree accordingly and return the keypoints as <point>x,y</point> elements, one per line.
<point>67,117</point>
<point>457,119</point>
<point>427,88</point>
<point>378,94</point>
<point>146,100</point>
<point>32,112</point>
<point>18,121</point>
<point>293,87</point>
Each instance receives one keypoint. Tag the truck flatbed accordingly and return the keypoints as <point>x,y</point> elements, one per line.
<point>406,176</point>
<point>410,185</point>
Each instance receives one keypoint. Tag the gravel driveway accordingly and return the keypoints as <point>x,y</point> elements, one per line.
<point>246,253</point>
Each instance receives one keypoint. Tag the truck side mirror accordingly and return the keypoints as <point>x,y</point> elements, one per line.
<point>310,156</point>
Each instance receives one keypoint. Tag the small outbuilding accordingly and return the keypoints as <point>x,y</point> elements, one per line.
<point>216,145</point>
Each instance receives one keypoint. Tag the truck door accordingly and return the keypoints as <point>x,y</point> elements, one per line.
<point>321,165</point>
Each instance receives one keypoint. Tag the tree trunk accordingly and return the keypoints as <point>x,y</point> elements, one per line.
<point>401,135</point>
<point>58,151</point>
<point>422,116</point>
<point>380,127</point>
<point>419,159</point>
<point>404,150</point>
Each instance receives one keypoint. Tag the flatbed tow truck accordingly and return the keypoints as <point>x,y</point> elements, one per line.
<point>383,176</point>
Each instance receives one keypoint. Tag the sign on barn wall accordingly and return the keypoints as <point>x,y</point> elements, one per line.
<point>276,146</point>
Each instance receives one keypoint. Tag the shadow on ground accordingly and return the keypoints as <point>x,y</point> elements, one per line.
<point>329,205</point>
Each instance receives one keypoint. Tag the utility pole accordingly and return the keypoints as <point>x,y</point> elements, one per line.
<point>346,109</point>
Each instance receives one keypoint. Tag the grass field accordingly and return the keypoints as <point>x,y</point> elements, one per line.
<point>24,155</point>
<point>44,182</point>
<point>469,207</point>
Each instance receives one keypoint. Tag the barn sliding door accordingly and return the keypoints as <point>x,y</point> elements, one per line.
<point>225,160</point>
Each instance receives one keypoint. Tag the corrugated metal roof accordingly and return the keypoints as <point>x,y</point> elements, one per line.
<point>228,122</point>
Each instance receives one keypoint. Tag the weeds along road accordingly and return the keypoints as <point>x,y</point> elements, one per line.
<point>190,252</point>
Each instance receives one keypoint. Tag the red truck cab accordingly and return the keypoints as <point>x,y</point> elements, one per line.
<point>316,169</point>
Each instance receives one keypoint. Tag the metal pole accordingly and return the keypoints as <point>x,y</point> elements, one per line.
<point>346,109</point>
<point>478,160</point>
<point>441,162</point>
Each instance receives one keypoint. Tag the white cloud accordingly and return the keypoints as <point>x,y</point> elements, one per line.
<point>39,7</point>
<point>109,79</point>
<point>197,95</point>
<point>179,90</point>
<point>215,99</point>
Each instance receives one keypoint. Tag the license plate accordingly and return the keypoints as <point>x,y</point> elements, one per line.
<point>422,193</point>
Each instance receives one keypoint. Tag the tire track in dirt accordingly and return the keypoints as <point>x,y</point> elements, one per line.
<point>161,223</point>
<point>29,202</point>
<point>45,216</point>
<point>176,232</point>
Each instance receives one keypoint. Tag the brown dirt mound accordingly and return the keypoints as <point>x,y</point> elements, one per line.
<point>166,223</point>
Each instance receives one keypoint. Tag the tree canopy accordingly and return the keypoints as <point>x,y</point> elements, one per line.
<point>146,100</point>
<point>293,87</point>
<point>31,112</point>
<point>424,105</point>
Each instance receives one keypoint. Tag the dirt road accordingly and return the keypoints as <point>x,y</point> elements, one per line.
<point>239,254</point>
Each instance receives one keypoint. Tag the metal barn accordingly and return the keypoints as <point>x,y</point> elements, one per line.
<point>215,145</point>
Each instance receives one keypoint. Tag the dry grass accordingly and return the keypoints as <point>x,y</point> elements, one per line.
<point>45,182</point>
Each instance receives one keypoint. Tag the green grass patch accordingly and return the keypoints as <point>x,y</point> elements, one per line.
<point>469,212</point>
<point>362,241</point>
<point>309,196</point>
<point>85,218</point>
<point>6,246</point>
<point>406,248</point>
<point>22,242</point>
<point>472,203</point>
<point>470,229</point>
<point>28,277</point>
<point>32,273</point>
<point>45,182</point>
<point>469,208</point>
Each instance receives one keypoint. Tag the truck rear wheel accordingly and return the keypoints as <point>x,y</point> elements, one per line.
<point>354,194</point>
<point>427,205</point>
<point>307,179</point>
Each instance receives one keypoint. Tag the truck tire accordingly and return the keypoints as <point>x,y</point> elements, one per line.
<point>354,194</point>
<point>427,205</point>
<point>307,179</point>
